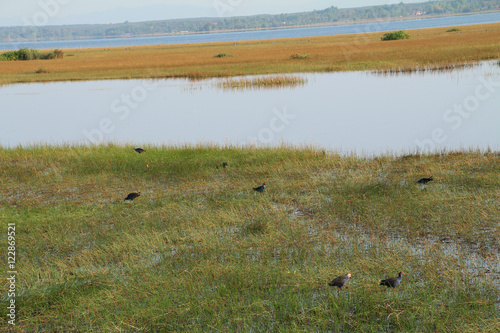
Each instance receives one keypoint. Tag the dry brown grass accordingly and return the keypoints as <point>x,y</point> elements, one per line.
<point>426,48</point>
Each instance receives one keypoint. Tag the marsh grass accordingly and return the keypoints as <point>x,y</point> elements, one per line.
<point>273,81</point>
<point>356,52</point>
<point>200,251</point>
<point>439,68</point>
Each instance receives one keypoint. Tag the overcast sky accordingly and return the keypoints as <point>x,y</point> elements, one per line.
<point>53,12</point>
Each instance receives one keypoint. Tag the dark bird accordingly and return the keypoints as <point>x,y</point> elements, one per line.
<point>425,180</point>
<point>261,188</point>
<point>394,281</point>
<point>139,150</point>
<point>340,281</point>
<point>132,196</point>
<point>224,165</point>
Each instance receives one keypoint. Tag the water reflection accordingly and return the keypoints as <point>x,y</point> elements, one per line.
<point>354,111</point>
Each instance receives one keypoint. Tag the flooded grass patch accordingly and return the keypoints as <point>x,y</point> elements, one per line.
<point>262,82</point>
<point>200,246</point>
<point>438,68</point>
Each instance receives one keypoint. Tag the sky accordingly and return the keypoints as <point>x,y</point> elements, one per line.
<point>55,12</point>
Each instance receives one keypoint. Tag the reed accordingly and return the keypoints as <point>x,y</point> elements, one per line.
<point>273,81</point>
<point>426,48</point>
<point>200,251</point>
<point>445,67</point>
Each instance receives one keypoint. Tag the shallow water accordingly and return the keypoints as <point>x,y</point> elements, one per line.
<point>360,112</point>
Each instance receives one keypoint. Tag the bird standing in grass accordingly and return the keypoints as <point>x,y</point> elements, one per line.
<point>132,196</point>
<point>261,188</point>
<point>224,165</point>
<point>425,180</point>
<point>393,282</point>
<point>139,150</point>
<point>340,281</point>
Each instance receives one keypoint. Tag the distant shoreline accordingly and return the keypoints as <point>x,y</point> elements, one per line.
<point>326,24</point>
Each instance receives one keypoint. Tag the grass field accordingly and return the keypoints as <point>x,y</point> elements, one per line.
<point>427,48</point>
<point>199,251</point>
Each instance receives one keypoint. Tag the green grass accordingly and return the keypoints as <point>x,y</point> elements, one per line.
<point>200,251</point>
<point>299,56</point>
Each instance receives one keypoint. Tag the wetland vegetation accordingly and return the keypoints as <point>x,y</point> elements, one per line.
<point>428,48</point>
<point>200,251</point>
<point>269,81</point>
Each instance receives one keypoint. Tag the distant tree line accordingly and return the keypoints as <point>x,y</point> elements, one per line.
<point>201,25</point>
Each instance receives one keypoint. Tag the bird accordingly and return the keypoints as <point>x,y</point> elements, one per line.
<point>260,188</point>
<point>425,180</point>
<point>393,282</point>
<point>132,196</point>
<point>139,150</point>
<point>224,165</point>
<point>340,281</point>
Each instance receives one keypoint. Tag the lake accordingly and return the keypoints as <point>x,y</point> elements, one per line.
<point>362,112</point>
<point>263,34</point>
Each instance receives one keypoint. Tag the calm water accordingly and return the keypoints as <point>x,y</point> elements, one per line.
<point>358,111</point>
<point>264,34</point>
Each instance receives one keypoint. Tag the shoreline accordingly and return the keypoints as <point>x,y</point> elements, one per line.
<point>428,48</point>
<point>325,24</point>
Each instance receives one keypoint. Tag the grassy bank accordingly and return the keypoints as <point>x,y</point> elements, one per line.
<point>199,251</point>
<point>433,48</point>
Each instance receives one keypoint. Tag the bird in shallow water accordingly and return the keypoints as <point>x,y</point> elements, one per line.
<point>394,281</point>
<point>261,188</point>
<point>139,150</point>
<point>425,180</point>
<point>340,281</point>
<point>132,196</point>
